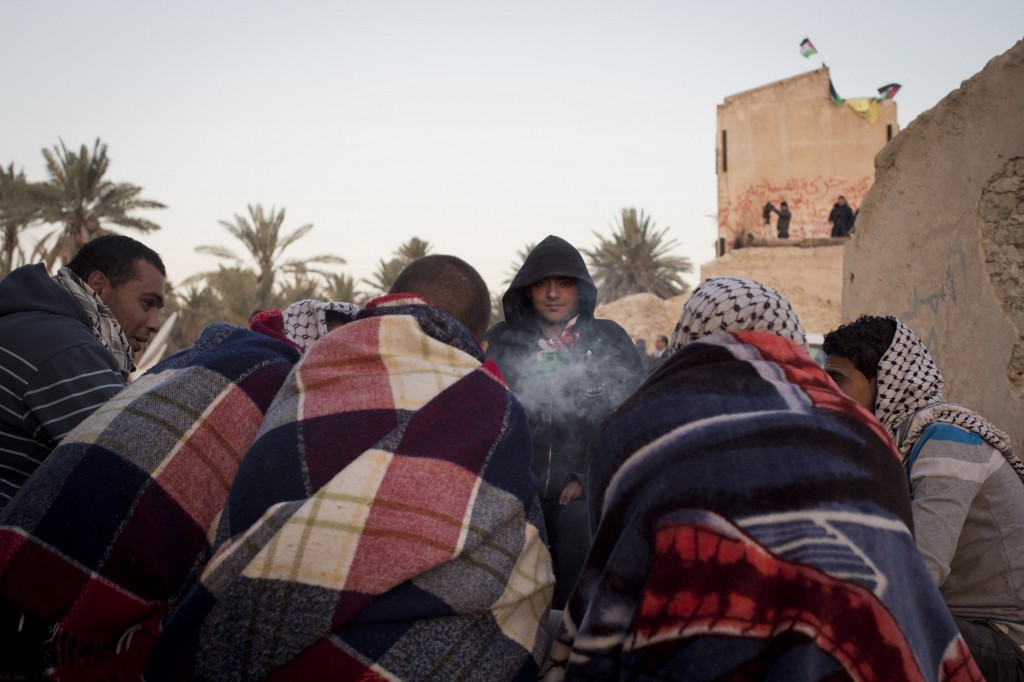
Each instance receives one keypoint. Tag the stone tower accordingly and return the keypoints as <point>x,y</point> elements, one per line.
<point>789,141</point>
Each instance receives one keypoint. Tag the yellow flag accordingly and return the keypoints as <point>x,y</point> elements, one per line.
<point>865,107</point>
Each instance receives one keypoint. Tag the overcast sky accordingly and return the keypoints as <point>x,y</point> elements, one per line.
<point>477,126</point>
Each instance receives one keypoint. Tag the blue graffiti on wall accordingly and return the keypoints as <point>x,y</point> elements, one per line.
<point>933,301</point>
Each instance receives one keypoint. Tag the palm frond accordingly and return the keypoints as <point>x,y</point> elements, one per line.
<point>636,258</point>
<point>260,233</point>
<point>219,252</point>
<point>79,198</point>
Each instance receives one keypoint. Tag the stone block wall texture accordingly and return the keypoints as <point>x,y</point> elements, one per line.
<point>788,141</point>
<point>940,240</point>
<point>810,277</point>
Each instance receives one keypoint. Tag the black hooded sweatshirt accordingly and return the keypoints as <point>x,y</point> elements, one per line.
<point>564,400</point>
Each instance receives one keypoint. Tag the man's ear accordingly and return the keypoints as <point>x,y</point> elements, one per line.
<point>98,282</point>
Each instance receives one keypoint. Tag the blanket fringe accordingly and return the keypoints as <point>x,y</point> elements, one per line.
<point>126,638</point>
<point>74,654</point>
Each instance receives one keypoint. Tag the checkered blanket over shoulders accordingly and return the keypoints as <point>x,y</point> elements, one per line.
<point>117,523</point>
<point>751,523</point>
<point>384,525</point>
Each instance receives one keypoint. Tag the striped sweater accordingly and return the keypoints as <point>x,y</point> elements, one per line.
<point>968,507</point>
<point>54,372</point>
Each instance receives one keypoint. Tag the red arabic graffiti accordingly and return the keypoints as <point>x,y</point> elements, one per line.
<point>810,201</point>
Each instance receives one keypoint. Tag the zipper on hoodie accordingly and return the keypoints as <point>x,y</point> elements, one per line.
<point>547,481</point>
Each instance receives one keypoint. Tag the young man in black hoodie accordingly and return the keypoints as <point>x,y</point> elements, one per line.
<point>569,371</point>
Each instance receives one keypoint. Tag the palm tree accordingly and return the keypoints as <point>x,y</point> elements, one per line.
<point>299,288</point>
<point>385,275</point>
<point>77,197</point>
<point>635,259</point>
<point>388,271</point>
<point>236,293</point>
<point>197,306</point>
<point>497,309</point>
<point>260,233</point>
<point>15,216</point>
<point>412,249</point>
<point>342,287</point>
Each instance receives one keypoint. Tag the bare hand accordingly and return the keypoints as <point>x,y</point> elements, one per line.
<point>570,492</point>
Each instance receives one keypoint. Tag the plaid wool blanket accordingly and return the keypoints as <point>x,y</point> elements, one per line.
<point>116,524</point>
<point>384,525</point>
<point>751,523</point>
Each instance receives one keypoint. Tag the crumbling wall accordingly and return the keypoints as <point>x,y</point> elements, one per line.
<point>940,240</point>
<point>1001,215</point>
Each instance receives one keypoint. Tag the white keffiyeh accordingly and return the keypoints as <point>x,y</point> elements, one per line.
<point>733,304</point>
<point>910,396</point>
<point>104,325</point>
<point>306,321</point>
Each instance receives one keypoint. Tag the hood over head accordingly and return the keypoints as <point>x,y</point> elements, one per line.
<point>553,257</point>
<point>30,288</point>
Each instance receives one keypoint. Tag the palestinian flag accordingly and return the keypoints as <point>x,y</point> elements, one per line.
<point>833,95</point>
<point>807,48</point>
<point>888,91</point>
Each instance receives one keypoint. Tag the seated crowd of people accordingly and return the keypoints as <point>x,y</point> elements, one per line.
<point>403,491</point>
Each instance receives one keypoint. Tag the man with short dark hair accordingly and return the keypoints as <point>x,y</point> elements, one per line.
<point>660,344</point>
<point>390,520</point>
<point>569,370</point>
<point>967,484</point>
<point>67,345</point>
<point>451,284</point>
<point>784,217</point>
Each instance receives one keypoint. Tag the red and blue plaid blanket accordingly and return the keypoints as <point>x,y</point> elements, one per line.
<point>751,523</point>
<point>384,525</point>
<point>115,526</point>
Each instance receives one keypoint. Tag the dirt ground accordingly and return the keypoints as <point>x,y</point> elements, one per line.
<point>809,275</point>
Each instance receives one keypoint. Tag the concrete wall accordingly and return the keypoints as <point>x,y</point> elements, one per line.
<point>940,240</point>
<point>810,277</point>
<point>787,140</point>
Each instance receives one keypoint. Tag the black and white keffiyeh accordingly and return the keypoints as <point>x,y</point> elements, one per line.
<point>104,325</point>
<point>306,321</point>
<point>910,396</point>
<point>733,304</point>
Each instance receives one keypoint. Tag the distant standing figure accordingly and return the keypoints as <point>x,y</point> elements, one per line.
<point>784,217</point>
<point>646,359</point>
<point>841,218</point>
<point>660,344</point>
